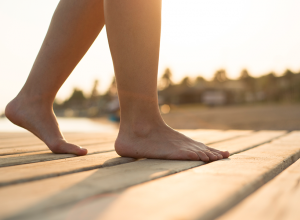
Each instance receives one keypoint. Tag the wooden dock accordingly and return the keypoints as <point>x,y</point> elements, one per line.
<point>260,180</point>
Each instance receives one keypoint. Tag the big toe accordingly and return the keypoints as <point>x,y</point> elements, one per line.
<point>225,154</point>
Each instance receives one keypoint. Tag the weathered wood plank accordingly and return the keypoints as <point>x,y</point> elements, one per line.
<point>29,172</point>
<point>5,135</point>
<point>221,136</point>
<point>76,139</point>
<point>31,200</point>
<point>195,132</point>
<point>18,140</point>
<point>43,147</point>
<point>243,143</point>
<point>278,199</point>
<point>17,159</point>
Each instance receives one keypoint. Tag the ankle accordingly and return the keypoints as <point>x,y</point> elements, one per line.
<point>33,100</point>
<point>141,128</point>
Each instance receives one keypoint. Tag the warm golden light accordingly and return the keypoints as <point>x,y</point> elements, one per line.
<point>165,109</point>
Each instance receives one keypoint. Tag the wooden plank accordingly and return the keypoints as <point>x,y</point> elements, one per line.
<point>22,150</point>
<point>195,132</point>
<point>221,136</point>
<point>17,139</point>
<point>293,136</point>
<point>278,199</point>
<point>243,143</point>
<point>17,159</point>
<point>68,135</point>
<point>43,147</point>
<point>8,135</point>
<point>77,139</point>
<point>23,173</point>
<point>31,200</point>
<point>5,135</point>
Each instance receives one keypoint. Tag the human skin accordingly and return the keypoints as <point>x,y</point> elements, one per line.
<point>133,31</point>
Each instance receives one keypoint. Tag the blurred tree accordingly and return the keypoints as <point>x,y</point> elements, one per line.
<point>247,80</point>
<point>76,99</point>
<point>166,79</point>
<point>220,76</point>
<point>77,95</point>
<point>200,79</point>
<point>95,92</point>
<point>186,81</point>
<point>290,91</point>
<point>271,79</point>
<point>270,87</point>
<point>288,75</point>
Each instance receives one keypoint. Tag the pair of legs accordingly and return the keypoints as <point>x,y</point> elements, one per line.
<point>133,30</point>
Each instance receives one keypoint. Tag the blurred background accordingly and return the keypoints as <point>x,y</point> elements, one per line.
<point>223,65</point>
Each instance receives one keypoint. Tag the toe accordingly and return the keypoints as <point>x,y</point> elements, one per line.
<point>211,155</point>
<point>190,155</point>
<point>203,156</point>
<point>225,154</point>
<point>219,156</point>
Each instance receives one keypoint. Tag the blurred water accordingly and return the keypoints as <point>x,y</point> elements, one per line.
<point>66,125</point>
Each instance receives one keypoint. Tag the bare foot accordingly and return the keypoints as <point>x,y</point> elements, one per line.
<point>162,142</point>
<point>38,118</point>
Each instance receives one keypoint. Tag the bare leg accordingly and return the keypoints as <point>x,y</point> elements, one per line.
<point>133,28</point>
<point>74,27</point>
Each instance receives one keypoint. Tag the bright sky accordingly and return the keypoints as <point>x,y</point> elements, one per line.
<point>198,37</point>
